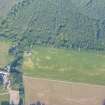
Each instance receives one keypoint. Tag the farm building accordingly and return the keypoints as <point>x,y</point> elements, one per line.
<point>4,80</point>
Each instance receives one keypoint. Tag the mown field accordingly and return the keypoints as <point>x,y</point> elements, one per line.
<point>4,56</point>
<point>67,65</point>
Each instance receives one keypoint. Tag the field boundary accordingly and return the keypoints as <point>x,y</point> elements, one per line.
<point>61,81</point>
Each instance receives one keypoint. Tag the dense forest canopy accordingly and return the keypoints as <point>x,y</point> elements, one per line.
<point>57,23</point>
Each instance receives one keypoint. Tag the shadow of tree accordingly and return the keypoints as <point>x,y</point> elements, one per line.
<point>103,102</point>
<point>5,103</point>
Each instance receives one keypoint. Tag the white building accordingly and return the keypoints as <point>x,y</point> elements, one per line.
<point>27,53</point>
<point>5,78</point>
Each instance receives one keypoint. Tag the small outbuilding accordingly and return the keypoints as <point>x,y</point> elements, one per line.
<point>27,53</point>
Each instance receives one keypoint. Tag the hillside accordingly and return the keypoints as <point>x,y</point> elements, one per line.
<point>57,23</point>
<point>34,33</point>
<point>92,8</point>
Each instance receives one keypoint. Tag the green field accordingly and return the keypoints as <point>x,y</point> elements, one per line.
<point>4,99</point>
<point>68,65</point>
<point>5,58</point>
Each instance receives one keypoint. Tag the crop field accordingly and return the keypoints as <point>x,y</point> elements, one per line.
<point>51,92</point>
<point>66,65</point>
<point>4,57</point>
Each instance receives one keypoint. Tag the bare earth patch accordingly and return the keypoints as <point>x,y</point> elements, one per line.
<point>14,97</point>
<point>62,93</point>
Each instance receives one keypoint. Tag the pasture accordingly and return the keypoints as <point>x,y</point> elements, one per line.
<point>4,96</point>
<point>5,58</point>
<point>66,65</point>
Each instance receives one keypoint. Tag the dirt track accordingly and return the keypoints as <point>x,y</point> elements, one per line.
<point>60,93</point>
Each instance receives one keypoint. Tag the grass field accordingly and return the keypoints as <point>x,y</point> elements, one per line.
<point>4,57</point>
<point>3,95</point>
<point>68,65</point>
<point>4,99</point>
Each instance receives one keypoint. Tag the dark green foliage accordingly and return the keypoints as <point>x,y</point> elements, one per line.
<point>57,23</point>
<point>5,6</point>
<point>53,23</point>
<point>5,103</point>
<point>21,102</point>
<point>17,74</point>
<point>93,8</point>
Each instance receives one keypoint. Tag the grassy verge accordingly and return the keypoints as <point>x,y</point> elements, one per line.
<point>4,98</point>
<point>4,57</point>
<point>2,90</point>
<point>68,65</point>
